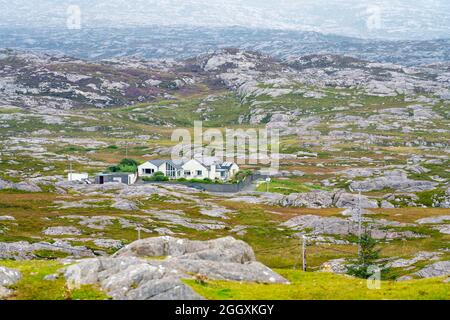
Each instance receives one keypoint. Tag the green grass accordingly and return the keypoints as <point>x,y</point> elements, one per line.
<point>32,286</point>
<point>323,286</point>
<point>287,187</point>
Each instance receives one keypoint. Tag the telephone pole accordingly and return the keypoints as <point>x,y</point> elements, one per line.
<point>304,239</point>
<point>139,233</point>
<point>359,223</point>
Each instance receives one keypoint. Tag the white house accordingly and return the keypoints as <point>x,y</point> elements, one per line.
<point>200,168</point>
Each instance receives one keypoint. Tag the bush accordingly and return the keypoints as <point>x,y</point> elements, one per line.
<point>158,177</point>
<point>126,165</point>
<point>366,259</point>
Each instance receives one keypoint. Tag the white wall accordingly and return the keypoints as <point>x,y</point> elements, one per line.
<point>147,165</point>
<point>194,166</point>
<point>77,176</point>
<point>233,170</point>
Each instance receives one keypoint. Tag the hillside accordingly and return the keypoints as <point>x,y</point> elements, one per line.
<point>354,133</point>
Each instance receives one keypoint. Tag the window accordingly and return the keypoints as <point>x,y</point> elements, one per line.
<point>187,173</point>
<point>199,172</point>
<point>171,171</point>
<point>149,171</point>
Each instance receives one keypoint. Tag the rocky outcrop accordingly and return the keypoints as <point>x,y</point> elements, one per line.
<point>395,179</point>
<point>131,275</point>
<point>22,186</point>
<point>317,225</point>
<point>123,204</point>
<point>420,256</point>
<point>224,249</point>
<point>59,231</point>
<point>8,277</point>
<point>325,199</point>
<point>438,269</point>
<point>24,250</point>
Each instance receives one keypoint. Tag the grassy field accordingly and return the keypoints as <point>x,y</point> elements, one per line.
<point>304,286</point>
<point>287,186</point>
<point>323,286</point>
<point>32,286</point>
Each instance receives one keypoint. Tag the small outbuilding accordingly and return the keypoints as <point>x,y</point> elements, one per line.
<point>118,177</point>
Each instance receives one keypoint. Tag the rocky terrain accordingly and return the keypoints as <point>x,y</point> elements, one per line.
<point>360,140</point>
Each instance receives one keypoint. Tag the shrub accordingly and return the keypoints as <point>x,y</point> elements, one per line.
<point>366,258</point>
<point>126,165</point>
<point>158,176</point>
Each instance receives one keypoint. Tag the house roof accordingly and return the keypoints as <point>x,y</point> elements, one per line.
<point>114,174</point>
<point>226,165</point>
<point>206,162</point>
<point>158,163</point>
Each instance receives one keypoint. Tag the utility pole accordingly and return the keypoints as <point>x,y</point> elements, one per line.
<point>359,224</point>
<point>304,239</point>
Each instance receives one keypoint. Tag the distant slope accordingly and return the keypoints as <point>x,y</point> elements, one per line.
<point>188,42</point>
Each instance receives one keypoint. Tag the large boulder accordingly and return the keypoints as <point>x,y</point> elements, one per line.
<point>130,278</point>
<point>131,275</point>
<point>349,200</point>
<point>224,249</point>
<point>8,277</point>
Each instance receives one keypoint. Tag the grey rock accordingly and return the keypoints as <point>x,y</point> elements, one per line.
<point>433,220</point>
<point>444,229</point>
<point>316,199</point>
<point>334,266</point>
<point>404,278</point>
<point>395,179</point>
<point>4,292</point>
<point>7,218</point>
<point>223,249</point>
<point>59,231</point>
<point>22,186</point>
<point>338,226</point>
<point>386,205</point>
<point>51,277</point>
<point>25,251</point>
<point>420,256</point>
<point>8,276</point>
<point>123,204</point>
<point>348,200</point>
<point>126,276</point>
<point>108,243</point>
<point>438,269</point>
